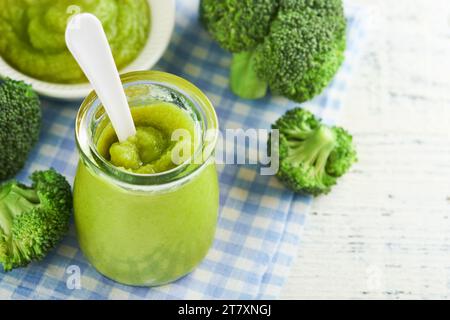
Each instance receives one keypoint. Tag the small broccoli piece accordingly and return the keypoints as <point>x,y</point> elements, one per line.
<point>33,219</point>
<point>20,123</point>
<point>295,47</point>
<point>312,155</point>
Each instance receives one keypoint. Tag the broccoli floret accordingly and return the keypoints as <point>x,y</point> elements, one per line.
<point>20,123</point>
<point>295,47</point>
<point>238,25</point>
<point>33,219</point>
<point>312,155</point>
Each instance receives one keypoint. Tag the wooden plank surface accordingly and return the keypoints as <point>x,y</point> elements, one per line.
<point>384,232</point>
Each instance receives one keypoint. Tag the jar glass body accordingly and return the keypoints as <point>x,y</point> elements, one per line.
<point>146,230</point>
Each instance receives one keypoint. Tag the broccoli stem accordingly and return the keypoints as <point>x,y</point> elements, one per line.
<point>245,82</point>
<point>314,150</point>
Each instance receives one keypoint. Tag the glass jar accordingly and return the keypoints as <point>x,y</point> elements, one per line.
<point>151,229</point>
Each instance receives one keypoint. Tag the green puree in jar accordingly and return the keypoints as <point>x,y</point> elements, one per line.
<point>152,150</point>
<point>32,34</point>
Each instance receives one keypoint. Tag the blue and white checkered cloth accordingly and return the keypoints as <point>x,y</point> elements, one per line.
<point>260,221</point>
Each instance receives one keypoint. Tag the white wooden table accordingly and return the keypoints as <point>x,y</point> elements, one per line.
<point>384,232</point>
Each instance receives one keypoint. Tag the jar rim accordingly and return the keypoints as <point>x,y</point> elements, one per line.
<point>179,174</point>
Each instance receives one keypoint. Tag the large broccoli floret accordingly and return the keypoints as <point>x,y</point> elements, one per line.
<point>295,47</point>
<point>33,220</point>
<point>312,155</point>
<point>20,123</point>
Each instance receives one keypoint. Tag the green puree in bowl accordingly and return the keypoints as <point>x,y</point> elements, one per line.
<point>32,34</point>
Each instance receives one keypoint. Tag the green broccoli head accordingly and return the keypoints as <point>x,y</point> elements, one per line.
<point>304,49</point>
<point>343,155</point>
<point>238,25</point>
<point>33,219</point>
<point>312,155</point>
<point>20,123</point>
<point>297,52</point>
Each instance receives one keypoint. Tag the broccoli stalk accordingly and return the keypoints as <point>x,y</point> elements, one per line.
<point>33,219</point>
<point>312,155</point>
<point>313,151</point>
<point>244,80</point>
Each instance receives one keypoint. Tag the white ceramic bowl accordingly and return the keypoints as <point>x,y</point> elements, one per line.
<point>163,22</point>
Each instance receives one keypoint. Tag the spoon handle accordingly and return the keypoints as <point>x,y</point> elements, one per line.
<point>86,40</point>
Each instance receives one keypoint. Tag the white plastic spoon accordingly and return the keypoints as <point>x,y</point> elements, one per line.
<point>86,40</point>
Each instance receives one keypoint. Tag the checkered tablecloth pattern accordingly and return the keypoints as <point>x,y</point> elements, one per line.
<point>260,222</point>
